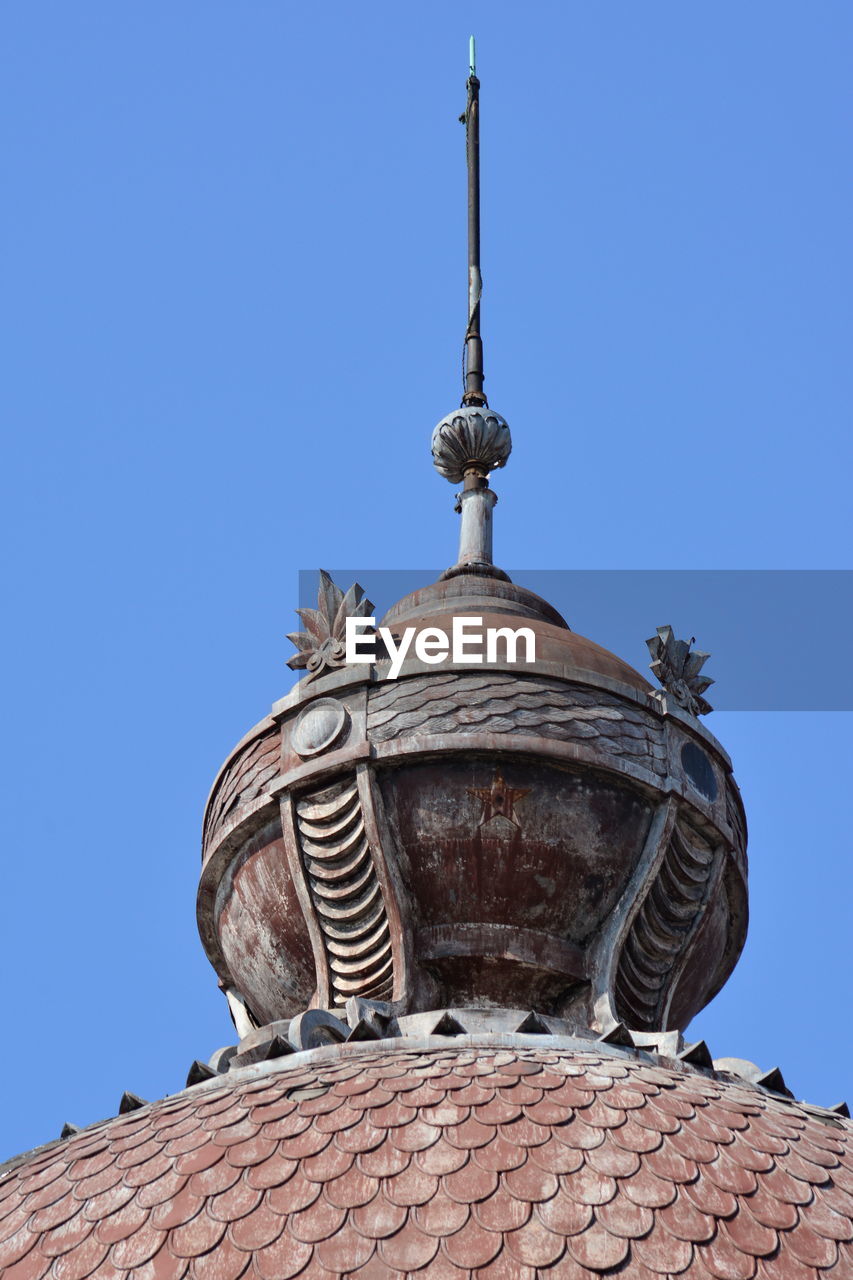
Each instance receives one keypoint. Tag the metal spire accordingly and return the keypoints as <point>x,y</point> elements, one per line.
<point>473,359</point>
<point>473,440</point>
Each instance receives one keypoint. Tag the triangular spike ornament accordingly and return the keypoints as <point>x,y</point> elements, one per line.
<point>362,1031</point>
<point>533,1025</point>
<point>198,1072</point>
<point>130,1102</point>
<point>775,1082</point>
<point>697,1054</point>
<point>617,1034</point>
<point>447,1025</point>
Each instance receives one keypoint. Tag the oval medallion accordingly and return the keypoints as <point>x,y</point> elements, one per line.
<point>319,727</point>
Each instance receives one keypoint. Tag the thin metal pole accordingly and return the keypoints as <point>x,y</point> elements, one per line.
<point>474,376</point>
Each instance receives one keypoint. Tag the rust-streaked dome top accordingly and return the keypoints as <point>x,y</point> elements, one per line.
<point>501,603</point>
<point>444,1159</point>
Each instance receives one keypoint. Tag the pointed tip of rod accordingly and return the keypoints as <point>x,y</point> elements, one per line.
<point>472,56</point>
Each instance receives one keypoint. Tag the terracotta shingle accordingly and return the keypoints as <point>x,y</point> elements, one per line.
<point>445,1163</point>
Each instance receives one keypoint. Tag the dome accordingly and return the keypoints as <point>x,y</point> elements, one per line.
<point>550,834</point>
<point>490,1156</point>
<point>498,602</point>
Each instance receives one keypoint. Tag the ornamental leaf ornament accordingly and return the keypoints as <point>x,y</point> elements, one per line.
<point>677,667</point>
<point>321,646</point>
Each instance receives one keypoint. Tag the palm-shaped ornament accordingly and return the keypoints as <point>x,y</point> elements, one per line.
<point>678,668</point>
<point>322,645</point>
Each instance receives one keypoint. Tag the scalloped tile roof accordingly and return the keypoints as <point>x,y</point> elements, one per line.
<point>443,1163</point>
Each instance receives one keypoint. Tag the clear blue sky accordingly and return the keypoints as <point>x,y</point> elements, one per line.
<point>233,303</point>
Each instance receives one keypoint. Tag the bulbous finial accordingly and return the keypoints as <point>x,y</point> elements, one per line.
<point>470,439</point>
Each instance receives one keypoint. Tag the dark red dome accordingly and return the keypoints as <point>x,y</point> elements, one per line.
<point>469,1158</point>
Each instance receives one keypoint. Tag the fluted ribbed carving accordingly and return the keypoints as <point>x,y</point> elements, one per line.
<point>345,892</point>
<point>470,438</point>
<point>660,929</point>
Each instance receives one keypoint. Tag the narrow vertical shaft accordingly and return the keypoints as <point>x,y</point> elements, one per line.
<point>475,504</point>
<point>474,376</point>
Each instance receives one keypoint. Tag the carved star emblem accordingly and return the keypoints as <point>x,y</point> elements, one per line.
<point>499,801</point>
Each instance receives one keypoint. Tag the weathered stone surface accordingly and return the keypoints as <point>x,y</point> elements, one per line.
<point>499,703</point>
<point>521,863</point>
<point>262,904</point>
<point>243,778</point>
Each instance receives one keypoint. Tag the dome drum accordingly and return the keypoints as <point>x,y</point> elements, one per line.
<point>547,835</point>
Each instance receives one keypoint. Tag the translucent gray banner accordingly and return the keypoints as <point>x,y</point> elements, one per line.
<point>778,638</point>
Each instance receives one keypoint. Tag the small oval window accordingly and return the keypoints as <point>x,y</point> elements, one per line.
<point>699,770</point>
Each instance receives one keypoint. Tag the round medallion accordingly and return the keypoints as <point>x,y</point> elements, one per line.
<point>319,727</point>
